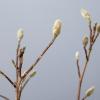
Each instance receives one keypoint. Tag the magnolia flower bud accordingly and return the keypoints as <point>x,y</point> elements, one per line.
<point>84,40</point>
<point>77,55</point>
<point>85,14</point>
<point>98,28</point>
<point>20,34</point>
<point>56,28</point>
<point>90,91</point>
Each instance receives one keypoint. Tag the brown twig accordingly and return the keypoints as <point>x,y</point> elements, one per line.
<point>85,50</point>
<point>93,37</point>
<point>96,37</point>
<point>90,28</point>
<point>4,97</point>
<point>82,75</point>
<point>17,71</point>
<point>20,79</point>
<point>21,53</point>
<point>78,69</point>
<point>8,78</point>
<point>38,59</point>
<point>84,98</point>
<point>13,62</point>
<point>94,29</point>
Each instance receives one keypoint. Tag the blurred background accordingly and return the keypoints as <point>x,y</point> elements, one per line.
<point>56,77</point>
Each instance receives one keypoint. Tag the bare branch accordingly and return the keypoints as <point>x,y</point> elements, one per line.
<point>97,35</point>
<point>39,58</point>
<point>84,98</point>
<point>4,97</point>
<point>90,28</point>
<point>85,50</point>
<point>78,69</point>
<point>21,53</point>
<point>92,41</point>
<point>8,78</point>
<point>28,79</point>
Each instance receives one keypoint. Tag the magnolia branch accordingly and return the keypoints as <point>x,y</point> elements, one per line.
<point>93,36</point>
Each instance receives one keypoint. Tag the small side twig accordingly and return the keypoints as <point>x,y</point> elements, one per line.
<point>84,98</point>
<point>2,73</point>
<point>90,28</point>
<point>38,59</point>
<point>96,37</point>
<point>93,37</point>
<point>13,62</point>
<point>27,80</point>
<point>85,50</point>
<point>78,69</point>
<point>4,97</point>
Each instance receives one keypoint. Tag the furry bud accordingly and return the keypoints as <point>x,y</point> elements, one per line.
<point>84,40</point>
<point>85,14</point>
<point>56,28</point>
<point>20,34</point>
<point>90,91</point>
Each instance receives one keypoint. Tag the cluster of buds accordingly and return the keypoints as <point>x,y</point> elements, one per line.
<point>55,31</point>
<point>87,43</point>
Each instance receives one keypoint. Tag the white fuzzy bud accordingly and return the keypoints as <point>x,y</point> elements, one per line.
<point>90,91</point>
<point>20,34</point>
<point>56,28</point>
<point>84,40</point>
<point>77,55</point>
<point>85,14</point>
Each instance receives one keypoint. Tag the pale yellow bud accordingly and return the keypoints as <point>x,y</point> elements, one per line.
<point>98,28</point>
<point>20,34</point>
<point>90,91</point>
<point>84,40</point>
<point>77,55</point>
<point>85,14</point>
<point>56,28</point>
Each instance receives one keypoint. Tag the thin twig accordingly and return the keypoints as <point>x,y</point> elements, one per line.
<point>84,98</point>
<point>8,78</point>
<point>82,75</point>
<point>4,97</point>
<point>27,80</point>
<point>97,35</point>
<point>17,71</point>
<point>85,50</point>
<point>21,53</point>
<point>90,28</point>
<point>13,62</point>
<point>38,59</point>
<point>78,69</point>
<point>94,29</point>
<point>25,83</point>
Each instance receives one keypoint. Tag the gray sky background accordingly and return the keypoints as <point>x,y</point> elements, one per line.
<point>56,77</point>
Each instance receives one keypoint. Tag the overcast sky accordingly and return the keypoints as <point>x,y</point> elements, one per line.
<point>56,77</point>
